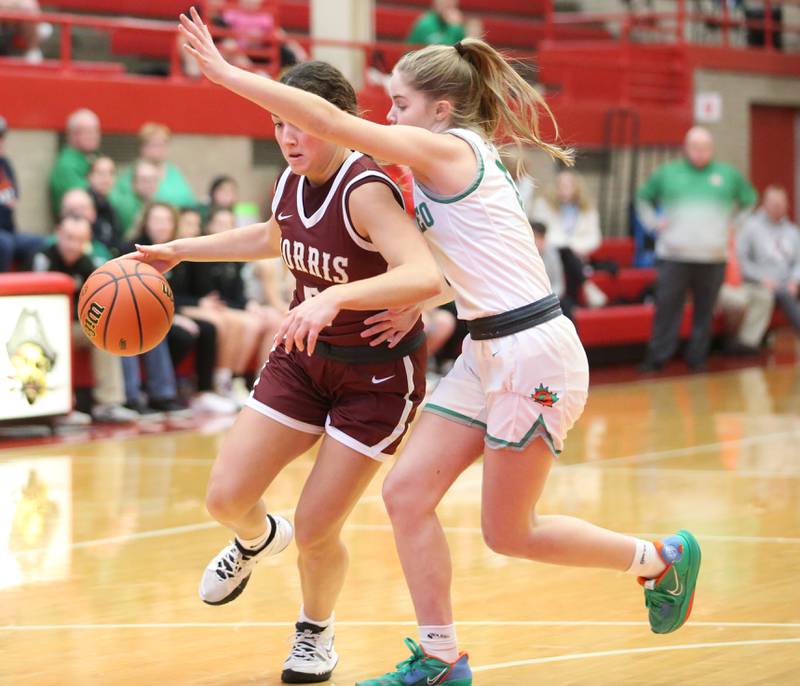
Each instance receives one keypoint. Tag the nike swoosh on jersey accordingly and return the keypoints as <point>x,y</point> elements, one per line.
<point>386,378</point>
<point>282,217</point>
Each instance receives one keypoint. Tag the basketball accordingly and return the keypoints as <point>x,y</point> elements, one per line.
<point>126,307</point>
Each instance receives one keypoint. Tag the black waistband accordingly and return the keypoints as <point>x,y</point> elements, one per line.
<point>365,354</point>
<point>513,321</point>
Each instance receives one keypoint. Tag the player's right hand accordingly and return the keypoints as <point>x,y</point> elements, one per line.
<point>162,256</point>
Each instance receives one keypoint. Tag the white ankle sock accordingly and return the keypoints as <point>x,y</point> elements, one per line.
<point>646,560</point>
<point>324,623</point>
<point>258,541</point>
<point>439,641</point>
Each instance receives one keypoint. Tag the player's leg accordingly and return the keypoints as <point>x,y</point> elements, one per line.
<point>336,482</point>
<point>254,451</point>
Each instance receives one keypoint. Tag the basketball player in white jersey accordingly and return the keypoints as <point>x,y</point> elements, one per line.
<point>523,373</point>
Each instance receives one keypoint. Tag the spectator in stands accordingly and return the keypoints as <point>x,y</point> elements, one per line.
<point>697,196</point>
<point>573,228</point>
<point>553,266</point>
<point>768,249</point>
<point>106,227</point>
<point>190,223</point>
<point>68,255</point>
<point>442,24</point>
<point>30,34</point>
<point>78,202</point>
<point>14,246</point>
<point>75,159</point>
<point>158,224</point>
<point>223,193</point>
<point>253,28</point>
<point>146,178</point>
<point>172,187</point>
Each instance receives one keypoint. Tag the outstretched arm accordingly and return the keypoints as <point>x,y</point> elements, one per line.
<point>416,147</point>
<point>253,242</point>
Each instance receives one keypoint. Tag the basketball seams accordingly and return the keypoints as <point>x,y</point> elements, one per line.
<point>108,314</point>
<point>135,307</point>
<point>152,292</point>
<point>94,294</point>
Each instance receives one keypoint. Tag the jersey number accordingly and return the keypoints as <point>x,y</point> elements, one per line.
<point>424,216</point>
<point>309,292</point>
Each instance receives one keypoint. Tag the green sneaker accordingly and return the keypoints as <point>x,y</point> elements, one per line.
<point>423,670</point>
<point>670,595</point>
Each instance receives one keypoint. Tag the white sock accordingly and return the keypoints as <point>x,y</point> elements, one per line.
<point>324,623</point>
<point>259,541</point>
<point>646,560</point>
<point>439,641</point>
<point>222,380</point>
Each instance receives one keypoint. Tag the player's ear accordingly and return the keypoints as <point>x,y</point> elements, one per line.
<point>442,110</point>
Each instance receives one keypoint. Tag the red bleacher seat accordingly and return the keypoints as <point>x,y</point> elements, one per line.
<point>619,250</point>
<point>156,9</point>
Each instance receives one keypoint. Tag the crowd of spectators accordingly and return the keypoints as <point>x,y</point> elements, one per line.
<point>225,315</point>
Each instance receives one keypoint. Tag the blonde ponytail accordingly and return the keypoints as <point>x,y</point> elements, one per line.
<point>485,92</point>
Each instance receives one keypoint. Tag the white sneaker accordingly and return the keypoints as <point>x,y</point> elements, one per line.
<point>212,403</point>
<point>227,574</point>
<point>114,414</point>
<point>312,658</point>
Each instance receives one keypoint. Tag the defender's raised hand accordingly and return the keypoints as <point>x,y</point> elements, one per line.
<point>200,45</point>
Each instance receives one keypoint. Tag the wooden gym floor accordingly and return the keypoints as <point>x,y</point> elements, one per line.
<point>102,544</point>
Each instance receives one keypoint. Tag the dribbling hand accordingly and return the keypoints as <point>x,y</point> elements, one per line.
<point>161,256</point>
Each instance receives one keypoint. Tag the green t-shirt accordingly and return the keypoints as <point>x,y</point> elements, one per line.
<point>69,172</point>
<point>432,29</point>
<point>173,189</point>
<point>698,205</point>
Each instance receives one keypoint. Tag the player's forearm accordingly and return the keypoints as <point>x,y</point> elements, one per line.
<point>406,284</point>
<point>238,245</point>
<point>305,110</point>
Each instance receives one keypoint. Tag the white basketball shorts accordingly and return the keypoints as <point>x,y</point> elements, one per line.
<point>532,383</point>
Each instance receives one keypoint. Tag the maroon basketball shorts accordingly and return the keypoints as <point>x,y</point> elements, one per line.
<point>364,404</point>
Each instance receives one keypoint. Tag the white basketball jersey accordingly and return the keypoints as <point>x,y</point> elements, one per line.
<point>482,240</point>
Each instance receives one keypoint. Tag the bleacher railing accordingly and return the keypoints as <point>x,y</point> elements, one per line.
<point>687,25</point>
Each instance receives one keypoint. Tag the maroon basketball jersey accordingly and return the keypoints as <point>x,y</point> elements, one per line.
<point>320,245</point>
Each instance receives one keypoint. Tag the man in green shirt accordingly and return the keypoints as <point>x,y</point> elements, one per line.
<point>442,24</point>
<point>73,162</point>
<point>696,198</point>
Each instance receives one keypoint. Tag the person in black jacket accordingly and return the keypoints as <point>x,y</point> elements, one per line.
<point>106,227</point>
<point>215,292</point>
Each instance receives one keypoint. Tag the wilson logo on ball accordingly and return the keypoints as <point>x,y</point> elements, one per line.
<point>165,289</point>
<point>93,317</point>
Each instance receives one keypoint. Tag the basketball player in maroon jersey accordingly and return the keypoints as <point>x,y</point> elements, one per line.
<point>338,222</point>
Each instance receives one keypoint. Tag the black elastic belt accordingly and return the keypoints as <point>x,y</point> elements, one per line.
<point>513,321</point>
<point>363,354</point>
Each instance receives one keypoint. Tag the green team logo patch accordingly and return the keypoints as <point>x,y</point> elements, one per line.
<point>544,396</point>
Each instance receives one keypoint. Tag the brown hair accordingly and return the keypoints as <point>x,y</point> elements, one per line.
<point>142,235</point>
<point>324,80</point>
<point>484,90</point>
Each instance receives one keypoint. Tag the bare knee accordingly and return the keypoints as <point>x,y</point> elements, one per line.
<point>403,499</point>
<point>313,535</point>
<point>511,540</point>
<point>226,503</point>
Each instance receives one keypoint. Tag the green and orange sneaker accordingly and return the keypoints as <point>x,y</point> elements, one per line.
<point>422,669</point>
<point>670,595</point>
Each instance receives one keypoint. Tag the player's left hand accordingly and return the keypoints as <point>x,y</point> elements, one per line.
<point>200,45</point>
<point>302,325</point>
<point>391,325</point>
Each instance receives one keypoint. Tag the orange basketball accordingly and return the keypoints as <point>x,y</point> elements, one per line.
<point>126,307</point>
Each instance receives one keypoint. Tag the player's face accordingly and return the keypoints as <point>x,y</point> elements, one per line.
<point>305,154</point>
<point>409,106</point>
